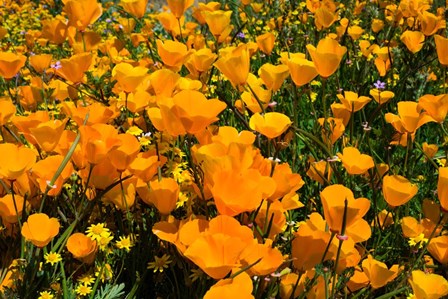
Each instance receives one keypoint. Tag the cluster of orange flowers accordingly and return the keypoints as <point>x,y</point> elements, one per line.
<point>199,128</point>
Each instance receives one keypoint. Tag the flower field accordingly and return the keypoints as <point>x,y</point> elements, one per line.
<point>231,149</point>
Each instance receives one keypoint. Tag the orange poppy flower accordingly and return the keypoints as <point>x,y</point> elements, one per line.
<point>15,160</point>
<point>218,250</point>
<point>238,287</point>
<point>333,201</point>
<point>239,192</point>
<point>172,53</point>
<point>266,42</point>
<point>397,190</point>
<point>430,23</point>
<point>82,13</point>
<point>40,62</point>
<point>442,188</point>
<point>200,61</point>
<point>271,258</point>
<point>428,285</point>
<point>7,110</point>
<point>8,205</point>
<point>381,97</point>
<point>413,40</point>
<point>435,106</point>
<point>137,8</point>
<point>272,210</point>
<point>39,229</point>
<point>256,97</point>
<point>10,64</point>
<point>163,195</point>
<point>358,280</point>
<point>54,30</point>
<point>319,171</point>
<point>98,113</point>
<point>354,162</point>
<point>73,68</point>
<point>129,77</point>
<point>122,156</point>
<point>336,126</point>
<point>312,233</point>
<point>378,273</point>
<point>377,25</point>
<point>217,21</point>
<point>271,124</point>
<point>97,140</point>
<point>326,56</point>
<point>302,70</point>
<point>44,170</point>
<point>438,247</point>
<point>47,134</point>
<point>410,227</point>
<point>409,118</point>
<point>353,102</point>
<point>235,65</point>
<point>430,150</point>
<point>82,247</point>
<point>178,7</point>
<point>340,111</point>
<point>355,32</point>
<point>442,49</point>
<point>122,197</point>
<point>273,76</point>
<point>286,181</point>
<point>194,111</point>
<point>324,17</point>
<point>145,165</point>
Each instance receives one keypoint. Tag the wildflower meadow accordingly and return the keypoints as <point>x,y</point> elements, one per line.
<point>232,149</point>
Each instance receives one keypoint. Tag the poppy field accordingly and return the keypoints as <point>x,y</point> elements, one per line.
<point>231,149</point>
